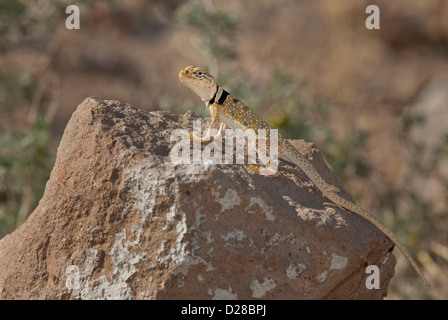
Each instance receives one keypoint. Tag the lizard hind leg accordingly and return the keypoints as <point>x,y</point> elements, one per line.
<point>268,169</point>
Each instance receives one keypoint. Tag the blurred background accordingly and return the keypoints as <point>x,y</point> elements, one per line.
<point>375,102</point>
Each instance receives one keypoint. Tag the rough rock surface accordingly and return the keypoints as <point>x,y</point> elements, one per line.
<point>129,224</point>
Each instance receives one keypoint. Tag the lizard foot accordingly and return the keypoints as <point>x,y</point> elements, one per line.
<point>194,137</point>
<point>334,188</point>
<point>256,169</point>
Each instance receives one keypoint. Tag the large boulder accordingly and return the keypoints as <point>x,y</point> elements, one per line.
<point>119,220</point>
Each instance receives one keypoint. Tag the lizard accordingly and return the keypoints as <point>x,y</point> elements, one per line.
<point>228,110</point>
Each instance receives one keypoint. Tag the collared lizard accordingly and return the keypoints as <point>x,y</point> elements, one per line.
<point>228,110</point>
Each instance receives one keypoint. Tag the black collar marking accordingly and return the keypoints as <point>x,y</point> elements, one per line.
<point>221,99</point>
<point>223,96</point>
<point>212,100</point>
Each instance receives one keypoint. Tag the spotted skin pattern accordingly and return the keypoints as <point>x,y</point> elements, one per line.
<point>226,109</point>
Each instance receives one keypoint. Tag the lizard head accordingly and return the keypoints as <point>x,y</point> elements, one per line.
<point>200,81</point>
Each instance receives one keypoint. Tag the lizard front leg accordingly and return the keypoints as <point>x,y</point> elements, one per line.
<point>213,125</point>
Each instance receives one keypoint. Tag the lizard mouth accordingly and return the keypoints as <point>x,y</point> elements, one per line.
<point>184,73</point>
<point>181,74</point>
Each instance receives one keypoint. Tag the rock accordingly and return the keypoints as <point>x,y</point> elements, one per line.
<point>118,220</point>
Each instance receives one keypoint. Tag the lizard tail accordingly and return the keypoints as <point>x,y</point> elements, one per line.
<point>366,215</point>
<point>292,154</point>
